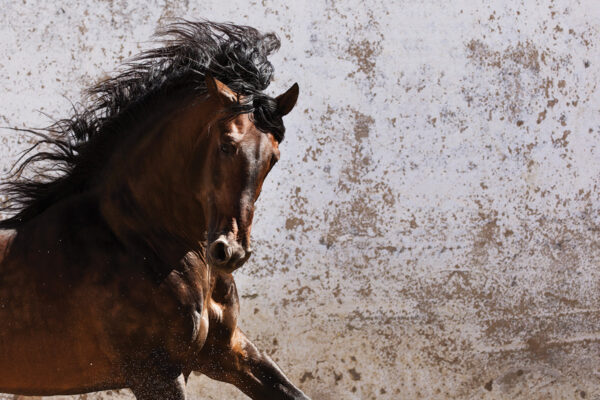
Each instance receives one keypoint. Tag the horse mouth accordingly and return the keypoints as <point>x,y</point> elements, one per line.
<point>228,267</point>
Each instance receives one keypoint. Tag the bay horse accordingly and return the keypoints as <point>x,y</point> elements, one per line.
<point>116,263</point>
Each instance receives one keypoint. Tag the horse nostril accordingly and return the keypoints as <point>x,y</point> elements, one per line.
<point>219,251</point>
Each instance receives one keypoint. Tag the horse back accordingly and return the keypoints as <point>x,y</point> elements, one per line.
<point>5,238</point>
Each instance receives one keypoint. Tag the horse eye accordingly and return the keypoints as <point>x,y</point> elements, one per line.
<point>227,148</point>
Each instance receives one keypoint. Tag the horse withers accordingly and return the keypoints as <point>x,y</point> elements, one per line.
<point>115,267</point>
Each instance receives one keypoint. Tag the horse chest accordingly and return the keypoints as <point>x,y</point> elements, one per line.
<point>174,317</point>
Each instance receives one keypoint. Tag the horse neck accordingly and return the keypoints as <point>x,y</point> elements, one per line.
<point>146,198</point>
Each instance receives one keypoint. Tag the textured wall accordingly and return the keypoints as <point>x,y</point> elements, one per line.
<point>432,230</point>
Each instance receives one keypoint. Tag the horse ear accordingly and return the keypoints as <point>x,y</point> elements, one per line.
<point>287,101</point>
<point>220,90</point>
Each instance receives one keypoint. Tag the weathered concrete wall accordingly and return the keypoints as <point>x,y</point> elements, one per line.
<point>432,230</point>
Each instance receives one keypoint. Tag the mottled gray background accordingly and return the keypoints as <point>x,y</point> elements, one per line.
<point>432,229</point>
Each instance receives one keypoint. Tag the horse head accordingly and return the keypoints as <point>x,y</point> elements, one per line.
<point>234,161</point>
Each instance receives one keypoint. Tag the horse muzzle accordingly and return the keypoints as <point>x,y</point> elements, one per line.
<point>227,255</point>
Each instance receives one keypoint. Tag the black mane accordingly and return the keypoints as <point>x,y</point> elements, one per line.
<point>80,145</point>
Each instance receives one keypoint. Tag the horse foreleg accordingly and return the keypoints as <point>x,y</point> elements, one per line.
<point>249,369</point>
<point>159,388</point>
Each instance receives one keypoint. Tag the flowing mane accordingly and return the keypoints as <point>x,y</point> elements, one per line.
<point>76,148</point>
